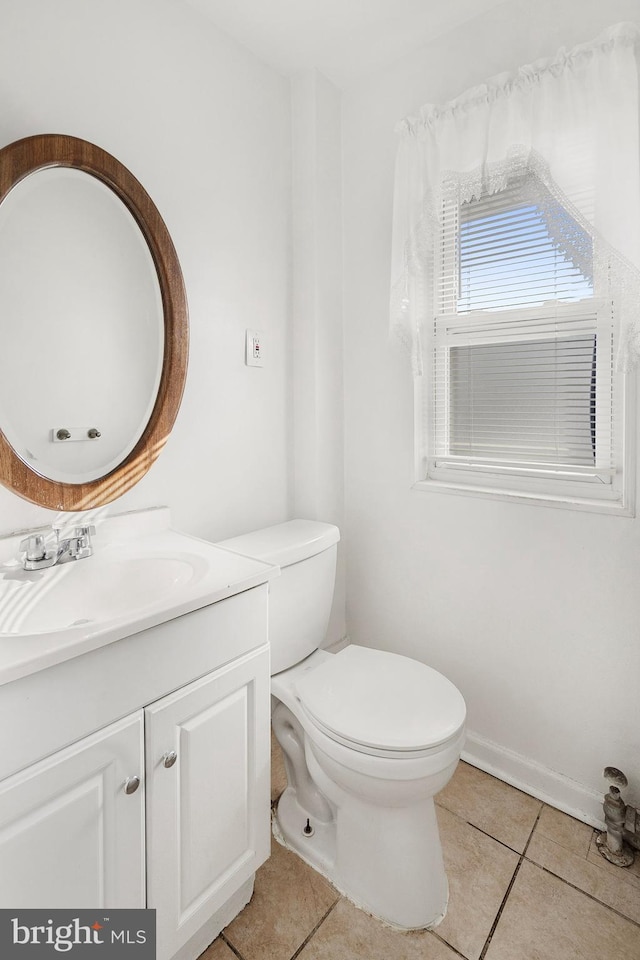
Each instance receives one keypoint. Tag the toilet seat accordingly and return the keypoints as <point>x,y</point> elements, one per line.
<point>381,703</point>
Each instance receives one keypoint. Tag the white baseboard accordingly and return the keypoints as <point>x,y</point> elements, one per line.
<point>533,778</point>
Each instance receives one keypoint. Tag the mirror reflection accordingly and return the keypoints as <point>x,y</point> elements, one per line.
<point>81,323</point>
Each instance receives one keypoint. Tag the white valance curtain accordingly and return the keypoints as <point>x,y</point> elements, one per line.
<point>571,124</point>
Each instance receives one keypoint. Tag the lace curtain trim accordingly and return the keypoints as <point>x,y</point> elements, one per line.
<point>615,277</point>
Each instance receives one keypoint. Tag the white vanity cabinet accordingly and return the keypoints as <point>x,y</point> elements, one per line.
<point>208,829</point>
<point>184,707</point>
<point>70,836</point>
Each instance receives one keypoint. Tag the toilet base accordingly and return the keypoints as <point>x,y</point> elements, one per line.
<point>415,898</point>
<point>318,849</point>
<point>373,829</point>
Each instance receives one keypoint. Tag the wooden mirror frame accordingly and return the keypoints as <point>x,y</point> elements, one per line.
<point>17,161</point>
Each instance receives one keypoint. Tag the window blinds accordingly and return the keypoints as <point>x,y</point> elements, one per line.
<point>522,359</point>
<point>509,257</point>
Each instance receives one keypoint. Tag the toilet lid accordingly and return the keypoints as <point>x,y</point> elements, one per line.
<point>382,700</point>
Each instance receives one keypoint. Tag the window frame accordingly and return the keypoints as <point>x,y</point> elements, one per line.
<point>524,483</point>
<point>564,494</point>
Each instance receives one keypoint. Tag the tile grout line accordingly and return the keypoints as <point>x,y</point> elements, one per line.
<point>573,886</point>
<point>590,896</point>
<point>486,833</point>
<point>533,830</point>
<point>322,919</point>
<point>496,921</point>
<point>495,839</point>
<point>448,945</point>
<point>501,909</point>
<point>230,945</point>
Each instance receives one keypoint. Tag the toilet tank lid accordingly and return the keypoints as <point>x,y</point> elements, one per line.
<point>285,543</point>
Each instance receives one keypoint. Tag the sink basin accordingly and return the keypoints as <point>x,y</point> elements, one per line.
<point>141,573</point>
<point>108,586</point>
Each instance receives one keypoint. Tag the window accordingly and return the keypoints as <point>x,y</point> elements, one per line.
<point>515,279</point>
<point>521,390</point>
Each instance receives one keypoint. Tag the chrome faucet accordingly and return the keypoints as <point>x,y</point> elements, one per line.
<point>76,547</point>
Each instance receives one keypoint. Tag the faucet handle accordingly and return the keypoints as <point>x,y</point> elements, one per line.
<point>83,546</point>
<point>34,547</point>
<point>88,531</point>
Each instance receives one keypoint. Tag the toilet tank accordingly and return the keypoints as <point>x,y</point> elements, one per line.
<point>300,598</point>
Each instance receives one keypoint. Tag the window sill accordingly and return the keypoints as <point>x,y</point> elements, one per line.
<point>563,501</point>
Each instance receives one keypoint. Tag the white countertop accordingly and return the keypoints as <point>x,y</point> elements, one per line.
<point>142,573</point>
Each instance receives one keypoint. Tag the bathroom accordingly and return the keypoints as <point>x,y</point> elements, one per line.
<point>275,180</point>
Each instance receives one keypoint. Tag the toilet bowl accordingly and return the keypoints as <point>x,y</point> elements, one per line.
<point>368,738</point>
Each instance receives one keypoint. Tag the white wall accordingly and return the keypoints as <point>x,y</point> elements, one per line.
<point>533,612</point>
<point>206,128</point>
<point>317,314</point>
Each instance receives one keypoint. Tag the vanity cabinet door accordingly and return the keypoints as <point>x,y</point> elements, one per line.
<point>70,834</point>
<point>208,811</point>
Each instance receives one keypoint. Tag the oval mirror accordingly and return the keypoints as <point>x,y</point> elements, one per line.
<point>93,325</point>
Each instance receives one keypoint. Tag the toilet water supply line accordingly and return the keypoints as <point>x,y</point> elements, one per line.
<point>622,820</point>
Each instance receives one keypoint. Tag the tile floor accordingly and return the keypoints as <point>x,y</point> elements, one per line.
<point>526,883</point>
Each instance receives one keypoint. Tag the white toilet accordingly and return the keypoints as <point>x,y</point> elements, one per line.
<point>368,738</point>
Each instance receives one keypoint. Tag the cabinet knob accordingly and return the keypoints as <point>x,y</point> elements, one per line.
<point>131,784</point>
<point>169,758</point>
